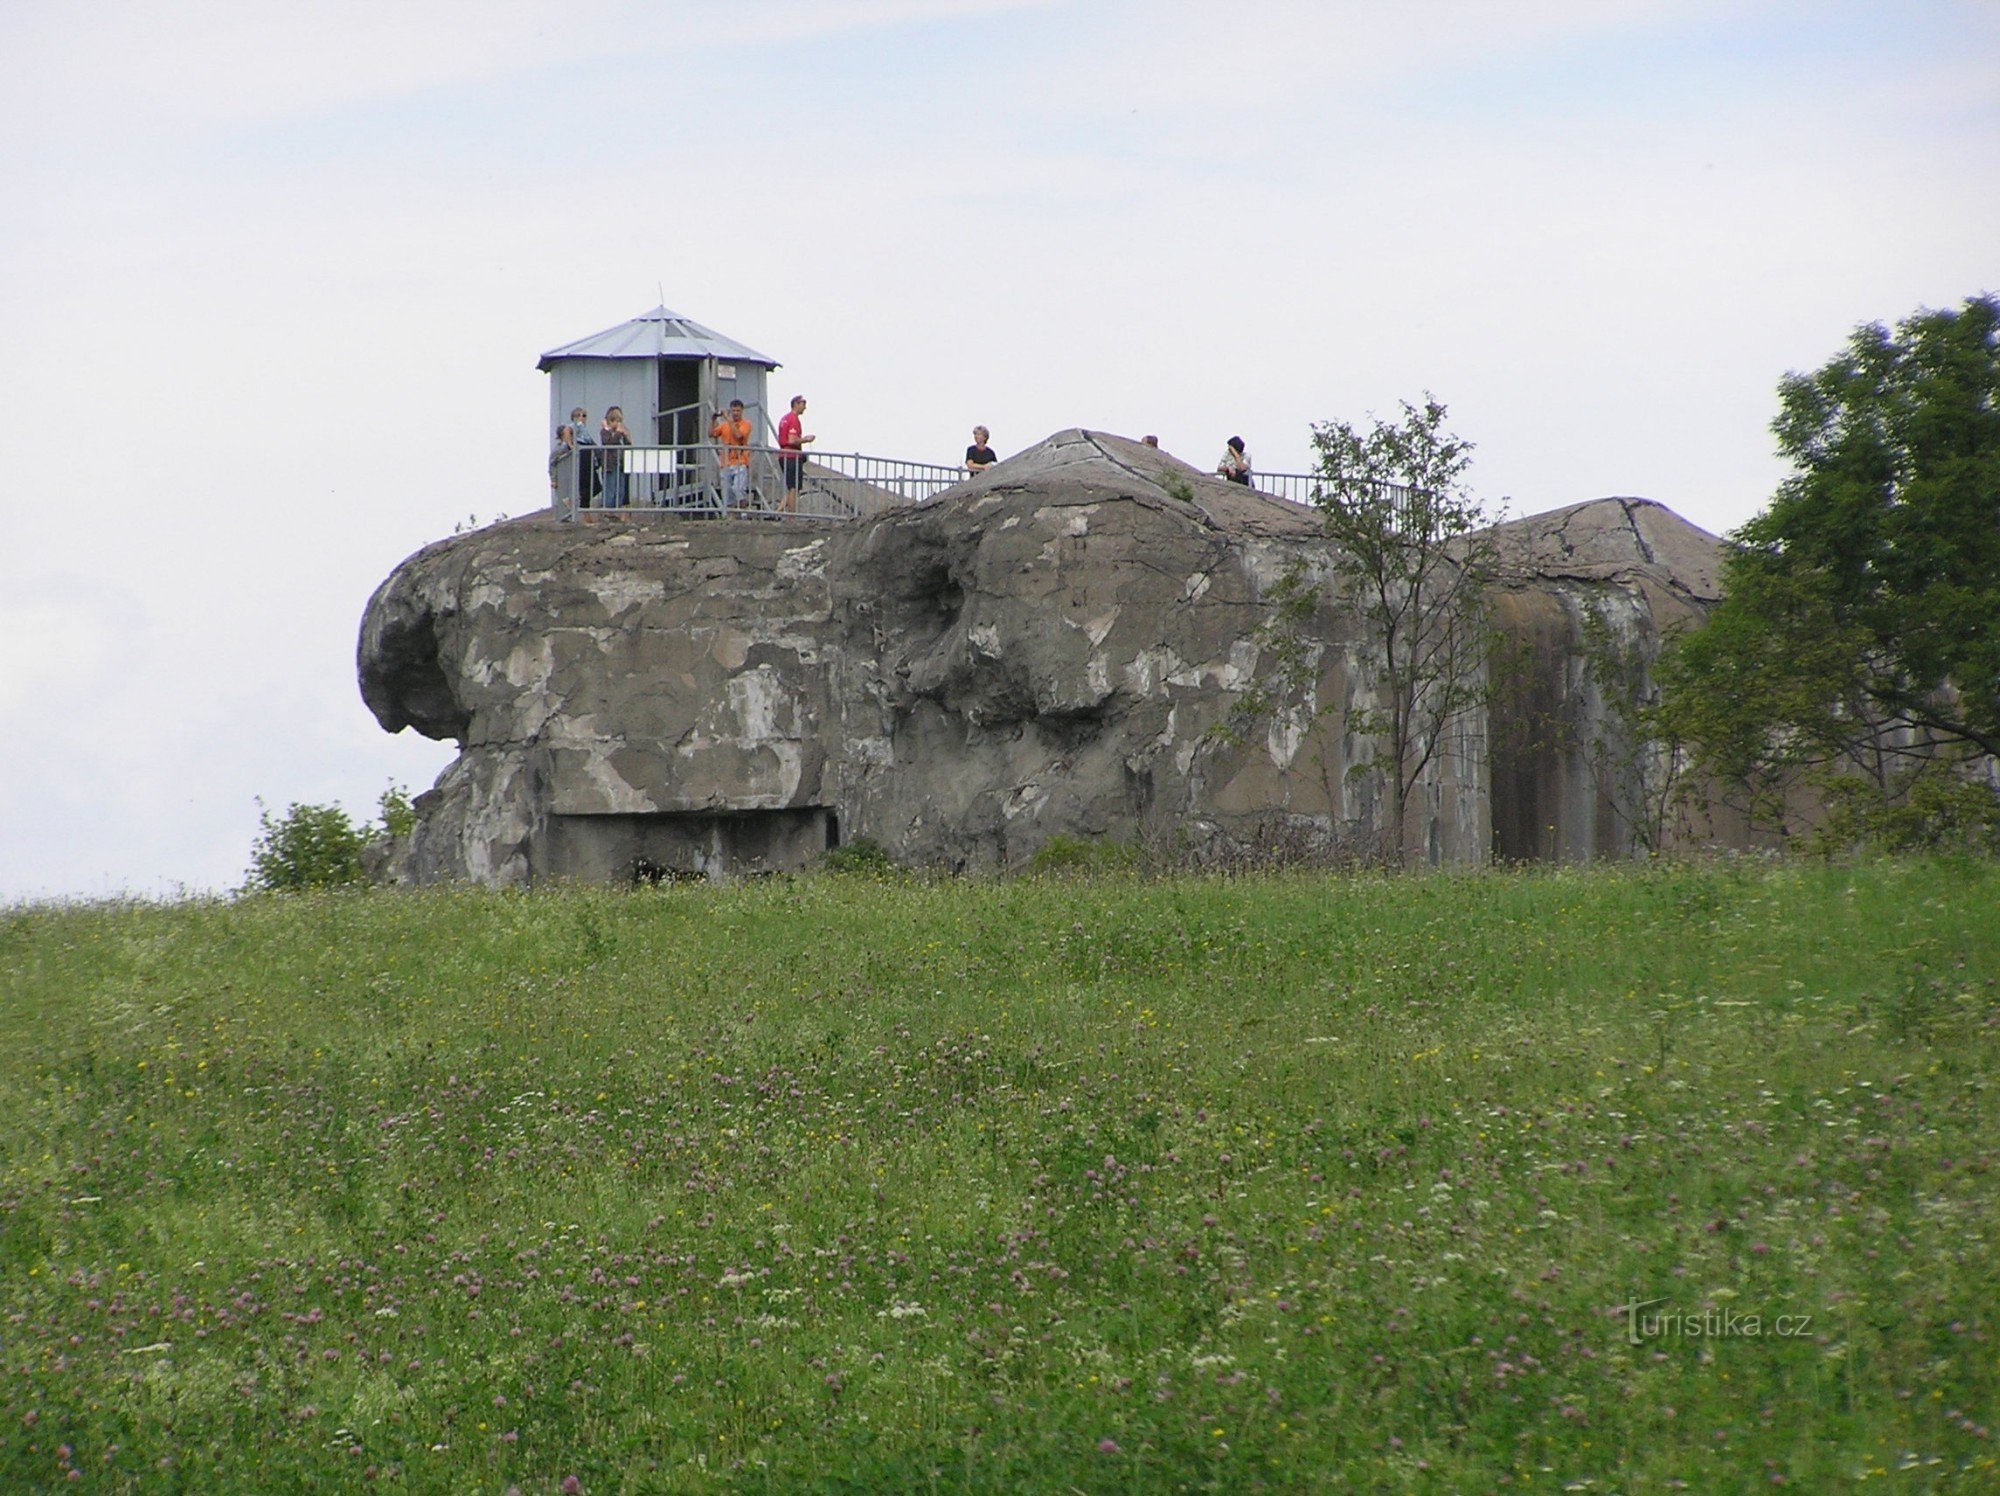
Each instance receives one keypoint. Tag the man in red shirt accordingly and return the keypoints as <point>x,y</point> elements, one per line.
<point>791,450</point>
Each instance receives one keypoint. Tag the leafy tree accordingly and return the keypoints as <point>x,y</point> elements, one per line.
<point>1860,624</point>
<point>320,846</point>
<point>1929,810</point>
<point>309,846</point>
<point>1416,570</point>
<point>399,816</point>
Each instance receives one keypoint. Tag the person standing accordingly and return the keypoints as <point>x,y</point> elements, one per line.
<point>586,457</point>
<point>1235,464</point>
<point>979,457</point>
<point>563,451</point>
<point>733,432</point>
<point>792,441</point>
<point>611,435</point>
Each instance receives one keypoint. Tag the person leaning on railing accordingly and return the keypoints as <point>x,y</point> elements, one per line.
<point>586,462</point>
<point>1235,464</point>
<point>734,434</point>
<point>613,433</point>
<point>565,447</point>
<point>792,441</point>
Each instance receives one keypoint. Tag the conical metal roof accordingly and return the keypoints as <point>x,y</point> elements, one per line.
<point>657,334</point>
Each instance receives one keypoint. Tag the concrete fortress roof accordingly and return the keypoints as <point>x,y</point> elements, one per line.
<point>657,334</point>
<point>1089,466</point>
<point>1613,539</point>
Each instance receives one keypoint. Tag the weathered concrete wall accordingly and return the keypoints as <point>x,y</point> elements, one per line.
<point>1588,594</point>
<point>1055,647</point>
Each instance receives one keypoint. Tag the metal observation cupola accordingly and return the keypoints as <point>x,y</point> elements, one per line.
<point>671,377</point>
<point>667,372</point>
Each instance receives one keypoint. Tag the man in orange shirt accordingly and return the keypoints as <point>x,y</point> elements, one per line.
<point>734,434</point>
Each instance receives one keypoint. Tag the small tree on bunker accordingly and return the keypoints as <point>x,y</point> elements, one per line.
<point>1416,569</point>
<point>1859,632</point>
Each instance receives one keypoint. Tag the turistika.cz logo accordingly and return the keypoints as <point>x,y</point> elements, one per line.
<point>1645,1321</point>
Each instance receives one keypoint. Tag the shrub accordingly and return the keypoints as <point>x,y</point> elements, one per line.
<point>1067,855</point>
<point>321,846</point>
<point>399,816</point>
<point>309,846</point>
<point>1927,810</point>
<point>863,855</point>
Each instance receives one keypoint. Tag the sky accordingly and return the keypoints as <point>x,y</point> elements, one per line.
<point>274,280</point>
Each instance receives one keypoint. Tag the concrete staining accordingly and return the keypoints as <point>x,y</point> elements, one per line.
<point>1056,646</point>
<point>1585,593</point>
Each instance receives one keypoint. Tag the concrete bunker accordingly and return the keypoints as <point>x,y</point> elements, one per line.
<point>1056,647</point>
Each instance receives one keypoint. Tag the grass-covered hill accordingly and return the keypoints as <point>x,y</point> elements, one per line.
<point>1279,1183</point>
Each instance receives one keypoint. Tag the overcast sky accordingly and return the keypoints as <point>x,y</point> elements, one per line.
<point>274,278</point>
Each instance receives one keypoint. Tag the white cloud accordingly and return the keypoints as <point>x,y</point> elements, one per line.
<point>201,64</point>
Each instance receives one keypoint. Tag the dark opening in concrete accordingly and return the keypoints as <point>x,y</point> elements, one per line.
<point>701,844</point>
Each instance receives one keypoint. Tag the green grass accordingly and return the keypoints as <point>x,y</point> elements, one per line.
<point>1105,1184</point>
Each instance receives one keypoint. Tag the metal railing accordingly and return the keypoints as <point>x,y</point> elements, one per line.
<point>709,479</point>
<point>700,478</point>
<point>1297,488</point>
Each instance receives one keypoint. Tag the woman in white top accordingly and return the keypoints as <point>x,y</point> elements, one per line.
<point>1235,464</point>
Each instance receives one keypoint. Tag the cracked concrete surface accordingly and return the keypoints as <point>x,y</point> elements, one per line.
<point>1052,647</point>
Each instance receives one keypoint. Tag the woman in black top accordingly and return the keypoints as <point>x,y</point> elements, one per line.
<point>979,457</point>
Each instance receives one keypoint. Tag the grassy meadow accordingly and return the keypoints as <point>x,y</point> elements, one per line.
<point>835,1184</point>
